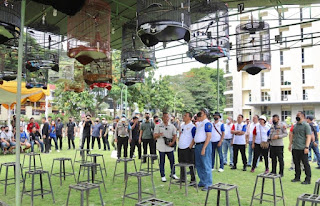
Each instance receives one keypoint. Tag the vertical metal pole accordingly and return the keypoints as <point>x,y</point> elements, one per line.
<point>121,103</point>
<point>218,86</point>
<point>19,77</point>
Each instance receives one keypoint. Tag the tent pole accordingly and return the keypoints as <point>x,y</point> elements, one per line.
<point>18,111</point>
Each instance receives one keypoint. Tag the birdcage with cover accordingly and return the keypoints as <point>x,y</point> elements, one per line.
<point>209,39</point>
<point>163,20</point>
<point>98,74</point>
<point>9,20</point>
<point>135,55</point>
<point>8,62</point>
<point>73,78</point>
<point>129,77</point>
<point>89,32</point>
<point>253,46</point>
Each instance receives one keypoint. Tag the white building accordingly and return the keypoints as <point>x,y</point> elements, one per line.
<point>292,84</point>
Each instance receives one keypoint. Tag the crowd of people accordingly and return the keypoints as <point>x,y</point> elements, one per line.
<point>198,139</point>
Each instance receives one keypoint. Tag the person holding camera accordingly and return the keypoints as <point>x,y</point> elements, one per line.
<point>87,131</point>
<point>165,134</point>
<point>122,135</point>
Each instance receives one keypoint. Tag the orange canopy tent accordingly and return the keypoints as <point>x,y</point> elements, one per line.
<point>8,94</point>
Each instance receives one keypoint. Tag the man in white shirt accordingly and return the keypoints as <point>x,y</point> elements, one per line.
<point>217,137</point>
<point>186,150</point>
<point>166,134</point>
<point>8,142</point>
<point>239,142</point>
<point>227,142</point>
<point>249,135</point>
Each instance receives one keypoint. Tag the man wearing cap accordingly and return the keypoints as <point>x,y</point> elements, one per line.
<point>278,131</point>
<point>203,149</point>
<point>166,134</point>
<point>122,135</point>
<point>217,137</point>
<point>87,131</point>
<point>146,136</point>
<point>314,139</point>
<point>239,142</point>
<point>105,134</point>
<point>135,128</point>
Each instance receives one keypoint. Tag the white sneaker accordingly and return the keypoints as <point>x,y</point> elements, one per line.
<point>175,177</point>
<point>58,150</point>
<point>213,169</point>
<point>163,179</point>
<point>220,170</point>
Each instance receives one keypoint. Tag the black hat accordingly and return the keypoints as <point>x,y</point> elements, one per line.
<point>135,117</point>
<point>217,114</point>
<point>310,117</point>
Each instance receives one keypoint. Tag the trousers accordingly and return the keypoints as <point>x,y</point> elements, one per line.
<point>106,142</point>
<point>93,140</point>
<point>276,154</point>
<point>203,164</point>
<point>152,146</point>
<point>300,156</point>
<point>71,141</point>
<point>219,150</point>
<point>170,156</point>
<point>133,144</point>
<point>122,141</point>
<point>59,138</point>
<point>186,156</point>
<point>85,137</point>
<point>257,152</point>
<point>226,145</point>
<point>242,149</point>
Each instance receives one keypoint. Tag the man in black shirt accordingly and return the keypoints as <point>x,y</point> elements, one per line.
<point>105,134</point>
<point>314,139</point>
<point>135,125</point>
<point>45,134</point>
<point>71,131</point>
<point>87,131</point>
<point>59,131</point>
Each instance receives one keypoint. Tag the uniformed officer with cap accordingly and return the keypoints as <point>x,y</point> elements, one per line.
<point>278,131</point>
<point>122,135</point>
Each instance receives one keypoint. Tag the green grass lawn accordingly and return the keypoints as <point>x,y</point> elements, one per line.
<point>244,180</point>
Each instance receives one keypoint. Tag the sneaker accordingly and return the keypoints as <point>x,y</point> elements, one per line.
<point>305,182</point>
<point>175,177</point>
<point>199,185</point>
<point>225,163</point>
<point>233,167</point>
<point>133,156</point>
<point>267,171</point>
<point>220,170</point>
<point>213,169</point>
<point>252,170</point>
<point>58,150</point>
<point>163,179</point>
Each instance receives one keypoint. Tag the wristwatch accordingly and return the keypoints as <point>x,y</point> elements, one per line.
<point>306,147</point>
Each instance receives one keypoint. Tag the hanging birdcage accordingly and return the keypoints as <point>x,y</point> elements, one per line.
<point>89,32</point>
<point>129,77</point>
<point>163,20</point>
<point>209,31</point>
<point>73,79</point>
<point>98,74</point>
<point>135,55</point>
<point>253,47</point>
<point>9,20</point>
<point>41,54</point>
<point>69,7</point>
<point>8,63</point>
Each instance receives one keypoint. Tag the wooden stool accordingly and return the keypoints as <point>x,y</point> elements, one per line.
<point>179,182</point>
<point>313,198</point>
<point>33,156</point>
<point>125,173</point>
<point>139,175</point>
<point>62,172</point>
<point>91,168</point>
<point>155,202</point>
<point>94,160</point>
<point>222,187</point>
<point>84,187</point>
<point>83,156</point>
<point>31,192</point>
<point>150,158</point>
<point>6,179</point>
<point>276,198</point>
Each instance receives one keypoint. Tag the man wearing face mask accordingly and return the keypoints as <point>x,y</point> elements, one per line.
<point>146,136</point>
<point>70,133</point>
<point>87,131</point>
<point>278,131</point>
<point>299,143</point>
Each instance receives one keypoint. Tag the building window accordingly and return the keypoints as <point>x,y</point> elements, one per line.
<point>309,112</point>
<point>265,110</point>
<point>302,55</point>
<point>262,79</point>
<point>265,97</point>
<point>250,97</point>
<point>301,34</point>
<point>285,94</point>
<point>285,115</point>
<point>229,101</point>
<point>229,84</point>
<point>23,111</point>
<point>281,57</point>
<point>303,76</point>
<point>304,94</point>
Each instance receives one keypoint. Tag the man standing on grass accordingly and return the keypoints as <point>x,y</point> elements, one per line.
<point>146,136</point>
<point>87,131</point>
<point>135,128</point>
<point>45,135</point>
<point>71,131</point>
<point>249,135</point>
<point>203,149</point>
<point>299,143</point>
<point>227,142</point>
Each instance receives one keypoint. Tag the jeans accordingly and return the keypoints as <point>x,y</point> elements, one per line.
<point>55,142</point>
<point>242,149</point>
<point>170,156</point>
<point>226,144</point>
<point>41,145</point>
<point>277,152</point>
<point>298,156</point>
<point>4,145</point>
<point>315,159</point>
<point>203,164</point>
<point>258,150</point>
<point>315,151</point>
<point>219,149</point>
<point>250,150</point>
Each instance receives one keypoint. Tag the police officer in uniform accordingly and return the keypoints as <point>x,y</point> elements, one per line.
<point>122,135</point>
<point>278,131</point>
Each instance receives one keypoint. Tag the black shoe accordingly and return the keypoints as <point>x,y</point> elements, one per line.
<point>291,168</point>
<point>233,167</point>
<point>104,149</point>
<point>305,182</point>
<point>248,165</point>
<point>295,180</point>
<point>244,169</point>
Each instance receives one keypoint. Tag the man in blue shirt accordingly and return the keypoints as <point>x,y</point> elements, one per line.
<point>203,149</point>
<point>96,133</point>
<point>24,140</point>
